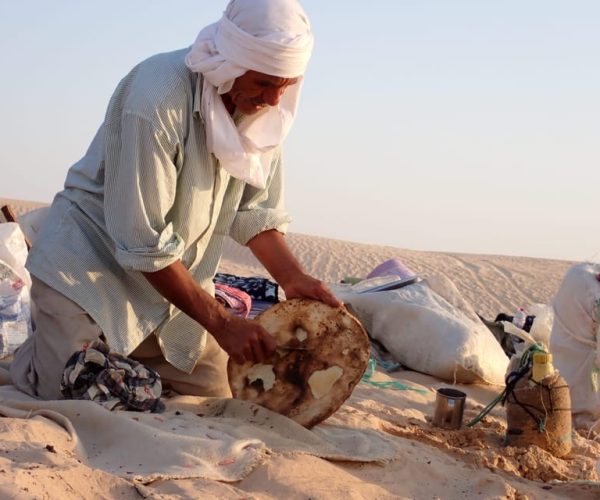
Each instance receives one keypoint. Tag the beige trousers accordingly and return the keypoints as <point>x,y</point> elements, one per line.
<point>62,328</point>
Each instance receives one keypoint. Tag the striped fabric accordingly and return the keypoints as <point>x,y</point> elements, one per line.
<point>146,194</point>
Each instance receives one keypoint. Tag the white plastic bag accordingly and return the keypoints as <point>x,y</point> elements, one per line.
<point>542,324</point>
<point>428,333</point>
<point>540,328</point>
<point>13,250</point>
<point>15,317</point>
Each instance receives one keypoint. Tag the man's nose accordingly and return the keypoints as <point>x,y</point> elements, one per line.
<point>272,96</point>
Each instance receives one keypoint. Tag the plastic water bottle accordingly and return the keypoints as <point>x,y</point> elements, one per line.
<point>519,318</point>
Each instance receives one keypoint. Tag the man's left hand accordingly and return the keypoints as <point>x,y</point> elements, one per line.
<point>271,249</point>
<point>307,287</point>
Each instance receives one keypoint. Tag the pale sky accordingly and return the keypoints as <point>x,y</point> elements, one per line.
<point>458,126</point>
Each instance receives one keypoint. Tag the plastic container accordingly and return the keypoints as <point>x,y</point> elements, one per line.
<point>542,366</point>
<point>519,318</point>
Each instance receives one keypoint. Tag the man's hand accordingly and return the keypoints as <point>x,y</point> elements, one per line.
<point>304,286</point>
<point>244,340</point>
<point>270,248</point>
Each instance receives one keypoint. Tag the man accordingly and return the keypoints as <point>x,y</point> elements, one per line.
<point>188,154</point>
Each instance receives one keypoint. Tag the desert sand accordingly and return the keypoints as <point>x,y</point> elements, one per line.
<point>35,461</point>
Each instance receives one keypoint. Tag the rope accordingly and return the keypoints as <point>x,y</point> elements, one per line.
<point>511,381</point>
<point>366,378</point>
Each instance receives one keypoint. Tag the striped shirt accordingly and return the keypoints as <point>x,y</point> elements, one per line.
<point>146,194</point>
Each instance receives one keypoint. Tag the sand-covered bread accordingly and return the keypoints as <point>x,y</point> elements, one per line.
<point>307,385</point>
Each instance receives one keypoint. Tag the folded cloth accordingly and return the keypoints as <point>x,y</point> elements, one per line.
<point>116,382</point>
<point>259,306</point>
<point>238,300</point>
<point>392,267</point>
<point>257,288</point>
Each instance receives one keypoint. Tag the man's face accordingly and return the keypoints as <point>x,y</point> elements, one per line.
<point>253,91</point>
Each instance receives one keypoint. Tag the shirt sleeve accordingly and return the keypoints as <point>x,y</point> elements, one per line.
<point>261,209</point>
<point>140,184</point>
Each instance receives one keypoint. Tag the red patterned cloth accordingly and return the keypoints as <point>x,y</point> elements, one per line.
<point>237,300</point>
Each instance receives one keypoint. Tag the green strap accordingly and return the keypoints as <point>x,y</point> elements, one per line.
<point>524,361</point>
<point>392,384</point>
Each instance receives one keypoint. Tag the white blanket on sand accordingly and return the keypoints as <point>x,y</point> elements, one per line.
<point>219,439</point>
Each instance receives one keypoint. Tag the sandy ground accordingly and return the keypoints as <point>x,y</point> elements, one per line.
<point>432,463</point>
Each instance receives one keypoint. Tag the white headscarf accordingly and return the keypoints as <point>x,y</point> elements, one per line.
<point>269,36</point>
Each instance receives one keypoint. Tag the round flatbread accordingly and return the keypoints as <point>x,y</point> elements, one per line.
<point>323,354</point>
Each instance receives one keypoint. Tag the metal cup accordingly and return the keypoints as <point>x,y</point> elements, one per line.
<point>449,408</point>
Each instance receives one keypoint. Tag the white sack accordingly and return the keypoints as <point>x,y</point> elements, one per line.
<point>574,337</point>
<point>429,333</point>
<point>15,323</point>
<point>13,249</point>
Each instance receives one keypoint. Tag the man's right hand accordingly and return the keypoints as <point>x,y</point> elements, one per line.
<point>244,340</point>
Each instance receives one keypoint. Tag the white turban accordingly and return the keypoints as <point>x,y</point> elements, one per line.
<point>268,36</point>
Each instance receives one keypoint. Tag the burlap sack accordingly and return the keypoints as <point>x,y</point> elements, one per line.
<point>540,414</point>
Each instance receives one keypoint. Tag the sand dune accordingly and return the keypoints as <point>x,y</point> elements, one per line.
<point>491,283</point>
<point>432,463</point>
